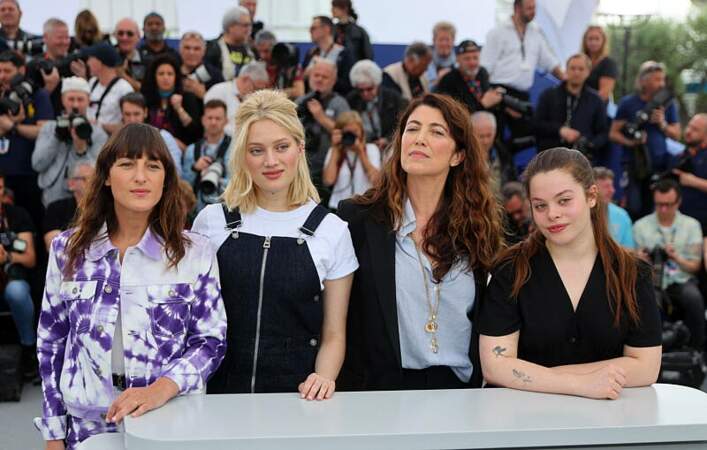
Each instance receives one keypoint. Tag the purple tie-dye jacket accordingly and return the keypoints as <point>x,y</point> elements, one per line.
<point>173,325</point>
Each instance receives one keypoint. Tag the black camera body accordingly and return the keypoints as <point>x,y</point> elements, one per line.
<point>633,129</point>
<point>40,66</point>
<point>19,94</point>
<point>11,243</point>
<point>312,138</point>
<point>348,139</point>
<point>284,55</point>
<point>521,106</point>
<point>658,257</point>
<point>584,145</point>
<point>78,122</point>
<point>29,46</point>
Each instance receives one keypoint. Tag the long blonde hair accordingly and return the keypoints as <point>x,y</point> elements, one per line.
<point>275,106</point>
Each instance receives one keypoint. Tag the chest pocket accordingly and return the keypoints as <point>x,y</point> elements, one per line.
<point>78,298</point>
<point>170,308</point>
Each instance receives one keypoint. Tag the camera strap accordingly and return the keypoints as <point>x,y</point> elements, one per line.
<point>572,103</point>
<point>220,153</point>
<point>103,96</point>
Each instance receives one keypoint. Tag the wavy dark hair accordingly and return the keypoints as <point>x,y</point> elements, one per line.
<point>468,221</point>
<point>167,218</point>
<point>620,265</point>
<point>149,85</point>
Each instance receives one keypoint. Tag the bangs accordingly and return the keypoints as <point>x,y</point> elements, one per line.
<point>135,141</point>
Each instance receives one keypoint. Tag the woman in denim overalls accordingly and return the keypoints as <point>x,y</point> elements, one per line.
<point>286,264</point>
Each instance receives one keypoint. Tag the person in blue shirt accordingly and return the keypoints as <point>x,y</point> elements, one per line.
<point>620,224</point>
<point>18,133</point>
<point>691,170</point>
<point>663,123</point>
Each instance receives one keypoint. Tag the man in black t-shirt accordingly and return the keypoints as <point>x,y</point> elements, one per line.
<point>469,82</point>
<point>154,45</point>
<point>230,52</point>
<point>17,256</point>
<point>61,212</point>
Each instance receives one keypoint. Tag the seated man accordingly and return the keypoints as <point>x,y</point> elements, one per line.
<point>231,52</point>
<point>673,242</point>
<point>408,76</point>
<point>251,78</point>
<point>620,225</point>
<point>61,213</point>
<point>499,161</point>
<point>153,28</point>
<point>15,260</point>
<point>199,75</point>
<point>692,171</point>
<point>62,144</point>
<point>213,148</point>
<point>469,82</point>
<point>517,207</point>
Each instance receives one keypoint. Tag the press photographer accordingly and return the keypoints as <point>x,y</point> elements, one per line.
<point>282,63</point>
<point>66,141</point>
<point>23,110</point>
<point>655,124</point>
<point>692,173</point>
<point>17,256</point>
<point>672,242</point>
<point>12,37</point>
<point>199,75</point>
<point>318,110</point>
<point>572,114</point>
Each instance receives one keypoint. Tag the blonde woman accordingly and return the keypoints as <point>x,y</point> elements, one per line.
<point>286,264</point>
<point>602,78</point>
<point>351,166</point>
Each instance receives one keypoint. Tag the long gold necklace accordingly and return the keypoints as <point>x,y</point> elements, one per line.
<point>431,325</point>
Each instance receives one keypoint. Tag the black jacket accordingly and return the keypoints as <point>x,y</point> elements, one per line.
<point>355,38</point>
<point>454,85</point>
<point>390,105</point>
<point>373,359</point>
<point>588,117</point>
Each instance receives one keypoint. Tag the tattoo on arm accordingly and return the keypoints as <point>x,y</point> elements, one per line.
<point>522,376</point>
<point>498,351</point>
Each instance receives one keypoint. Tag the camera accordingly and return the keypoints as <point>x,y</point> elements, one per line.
<point>200,74</point>
<point>516,104</point>
<point>19,94</point>
<point>30,46</point>
<point>634,129</point>
<point>658,257</point>
<point>348,139</point>
<point>211,178</point>
<point>36,67</point>
<point>312,130</point>
<point>284,55</point>
<point>585,146</point>
<point>11,243</point>
<point>78,122</point>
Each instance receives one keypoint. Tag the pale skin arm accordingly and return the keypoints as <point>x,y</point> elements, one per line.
<point>138,401</point>
<point>600,380</point>
<point>49,237</point>
<point>331,170</point>
<point>606,87</point>
<point>689,180</point>
<point>321,384</point>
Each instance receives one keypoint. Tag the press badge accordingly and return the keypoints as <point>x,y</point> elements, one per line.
<point>330,112</point>
<point>524,65</point>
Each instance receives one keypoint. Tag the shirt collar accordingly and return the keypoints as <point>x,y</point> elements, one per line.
<point>150,245</point>
<point>409,223</point>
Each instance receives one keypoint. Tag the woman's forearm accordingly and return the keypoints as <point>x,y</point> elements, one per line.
<point>330,357</point>
<point>519,374</point>
<point>639,372</point>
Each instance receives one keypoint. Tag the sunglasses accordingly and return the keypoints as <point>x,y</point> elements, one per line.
<point>127,33</point>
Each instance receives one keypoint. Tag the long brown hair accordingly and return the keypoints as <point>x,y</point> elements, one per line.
<point>96,207</point>
<point>467,223</point>
<point>620,266</point>
<point>604,50</point>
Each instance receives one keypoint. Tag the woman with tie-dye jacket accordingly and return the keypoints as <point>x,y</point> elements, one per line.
<point>132,312</point>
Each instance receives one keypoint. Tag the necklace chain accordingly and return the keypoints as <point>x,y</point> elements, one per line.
<point>431,325</point>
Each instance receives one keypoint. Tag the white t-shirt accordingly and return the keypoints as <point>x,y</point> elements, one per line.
<point>227,92</point>
<point>110,109</point>
<point>331,247</point>
<point>345,187</point>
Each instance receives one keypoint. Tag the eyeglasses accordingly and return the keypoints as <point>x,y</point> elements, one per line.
<point>127,33</point>
<point>366,88</point>
<point>665,205</point>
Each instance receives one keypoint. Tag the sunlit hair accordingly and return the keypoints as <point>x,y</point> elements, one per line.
<point>620,265</point>
<point>347,118</point>
<point>467,223</point>
<point>97,206</point>
<point>270,105</point>
<point>604,50</point>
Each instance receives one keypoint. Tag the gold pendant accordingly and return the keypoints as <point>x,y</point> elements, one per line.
<point>433,345</point>
<point>431,326</point>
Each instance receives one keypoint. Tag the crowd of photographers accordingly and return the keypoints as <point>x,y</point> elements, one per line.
<point>63,96</point>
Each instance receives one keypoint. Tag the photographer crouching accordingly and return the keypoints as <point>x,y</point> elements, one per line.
<point>66,141</point>
<point>16,258</point>
<point>672,243</point>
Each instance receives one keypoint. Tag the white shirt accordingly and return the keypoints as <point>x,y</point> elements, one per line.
<point>110,109</point>
<point>510,63</point>
<point>227,92</point>
<point>345,187</point>
<point>331,247</point>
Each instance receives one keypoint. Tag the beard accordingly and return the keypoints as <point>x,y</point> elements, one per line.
<point>154,36</point>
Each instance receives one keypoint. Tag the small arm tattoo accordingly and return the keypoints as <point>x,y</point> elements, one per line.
<point>498,351</point>
<point>522,376</point>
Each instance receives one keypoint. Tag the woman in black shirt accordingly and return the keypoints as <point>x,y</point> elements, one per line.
<point>604,72</point>
<point>568,310</point>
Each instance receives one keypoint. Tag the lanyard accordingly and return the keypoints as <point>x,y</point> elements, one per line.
<point>572,103</point>
<point>352,166</point>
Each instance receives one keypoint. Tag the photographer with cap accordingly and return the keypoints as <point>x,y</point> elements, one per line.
<point>672,243</point>
<point>17,256</point>
<point>66,141</point>
<point>106,86</point>
<point>572,114</point>
<point>199,75</point>
<point>19,130</point>
<point>468,82</point>
<point>646,153</point>
<point>692,170</point>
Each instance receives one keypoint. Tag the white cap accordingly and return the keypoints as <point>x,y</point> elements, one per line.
<point>75,84</point>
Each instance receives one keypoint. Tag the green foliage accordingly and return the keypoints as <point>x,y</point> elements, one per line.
<point>679,46</point>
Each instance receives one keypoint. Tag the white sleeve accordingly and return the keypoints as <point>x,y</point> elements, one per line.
<point>374,155</point>
<point>343,257</point>
<point>546,60</point>
<point>209,224</point>
<point>490,51</point>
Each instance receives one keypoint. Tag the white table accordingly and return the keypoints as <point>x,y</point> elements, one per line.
<point>108,441</point>
<point>661,416</point>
